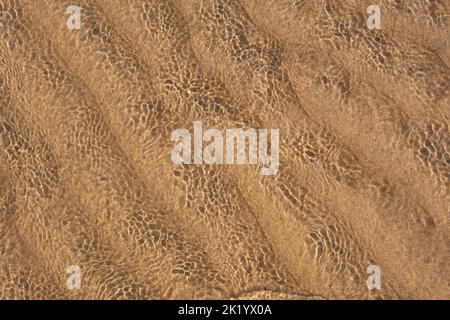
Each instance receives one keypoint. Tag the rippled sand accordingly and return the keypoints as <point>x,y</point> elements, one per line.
<point>86,177</point>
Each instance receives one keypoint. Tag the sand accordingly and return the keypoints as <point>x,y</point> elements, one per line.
<point>93,207</point>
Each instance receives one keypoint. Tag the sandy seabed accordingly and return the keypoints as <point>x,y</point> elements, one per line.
<point>86,177</point>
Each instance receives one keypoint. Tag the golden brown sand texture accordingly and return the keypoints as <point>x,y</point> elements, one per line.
<point>93,207</point>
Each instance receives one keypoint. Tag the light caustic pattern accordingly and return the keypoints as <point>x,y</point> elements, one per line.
<point>92,206</point>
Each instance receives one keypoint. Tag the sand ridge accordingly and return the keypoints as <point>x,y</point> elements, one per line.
<point>87,179</point>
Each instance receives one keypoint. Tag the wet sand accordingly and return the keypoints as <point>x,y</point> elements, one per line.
<point>87,180</point>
